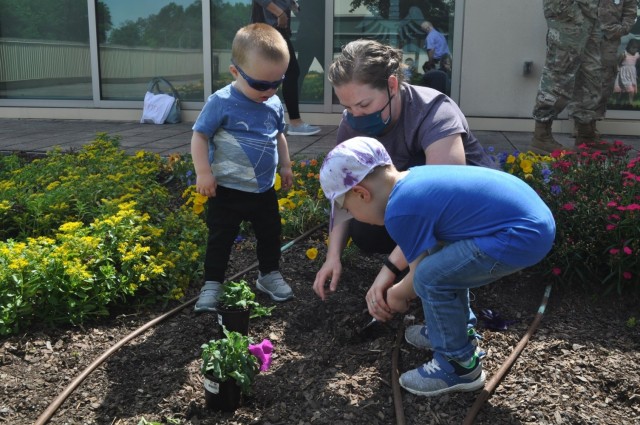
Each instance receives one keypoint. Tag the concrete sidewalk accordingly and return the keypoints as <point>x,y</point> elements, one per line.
<point>40,136</point>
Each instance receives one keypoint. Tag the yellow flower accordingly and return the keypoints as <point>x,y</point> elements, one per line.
<point>278,184</point>
<point>511,159</point>
<point>70,226</point>
<point>312,253</point>
<point>527,166</point>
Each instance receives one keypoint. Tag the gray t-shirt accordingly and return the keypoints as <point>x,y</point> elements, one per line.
<point>427,116</point>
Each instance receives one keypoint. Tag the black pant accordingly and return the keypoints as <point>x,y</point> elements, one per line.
<point>290,83</point>
<point>370,238</point>
<point>225,213</point>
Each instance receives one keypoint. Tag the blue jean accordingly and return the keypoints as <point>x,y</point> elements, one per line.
<point>442,281</point>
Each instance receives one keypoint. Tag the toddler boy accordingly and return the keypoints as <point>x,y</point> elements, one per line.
<point>237,143</point>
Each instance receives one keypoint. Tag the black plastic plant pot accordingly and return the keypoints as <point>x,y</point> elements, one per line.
<point>222,396</point>
<point>234,320</point>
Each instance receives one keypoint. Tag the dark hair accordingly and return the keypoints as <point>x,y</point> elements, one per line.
<point>634,42</point>
<point>366,62</point>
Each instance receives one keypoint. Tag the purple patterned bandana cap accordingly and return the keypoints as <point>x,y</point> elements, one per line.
<point>348,164</point>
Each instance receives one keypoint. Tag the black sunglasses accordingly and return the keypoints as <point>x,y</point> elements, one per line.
<point>259,85</point>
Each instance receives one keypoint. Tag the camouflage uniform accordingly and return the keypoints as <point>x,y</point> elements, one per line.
<point>573,53</point>
<point>616,18</point>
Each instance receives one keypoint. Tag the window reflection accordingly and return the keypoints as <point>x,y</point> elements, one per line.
<point>394,22</point>
<point>44,50</point>
<point>308,39</point>
<point>150,38</point>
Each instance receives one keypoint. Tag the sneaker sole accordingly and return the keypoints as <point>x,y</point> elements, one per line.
<point>466,387</point>
<point>300,133</point>
<point>273,297</point>
<point>204,309</point>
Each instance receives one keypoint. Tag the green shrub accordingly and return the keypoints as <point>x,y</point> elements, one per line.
<point>84,231</point>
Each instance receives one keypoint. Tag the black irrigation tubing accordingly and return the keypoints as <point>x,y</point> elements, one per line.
<point>500,374</point>
<point>57,402</point>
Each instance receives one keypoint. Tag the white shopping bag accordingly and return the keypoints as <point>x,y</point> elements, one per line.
<point>156,108</point>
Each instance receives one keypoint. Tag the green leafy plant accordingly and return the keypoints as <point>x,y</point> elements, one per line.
<point>239,296</point>
<point>82,231</point>
<point>304,205</point>
<point>230,358</point>
<point>594,194</point>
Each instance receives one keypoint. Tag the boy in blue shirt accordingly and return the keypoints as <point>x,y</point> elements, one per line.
<point>459,227</point>
<point>237,143</point>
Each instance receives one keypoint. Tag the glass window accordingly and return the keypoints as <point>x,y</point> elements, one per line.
<point>44,50</point>
<point>399,23</point>
<point>625,84</point>
<point>307,37</point>
<point>142,39</point>
<point>226,19</point>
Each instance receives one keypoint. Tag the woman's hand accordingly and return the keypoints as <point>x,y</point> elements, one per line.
<point>331,271</point>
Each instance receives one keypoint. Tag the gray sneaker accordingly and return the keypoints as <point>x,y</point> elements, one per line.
<point>209,294</point>
<point>416,335</point>
<point>441,375</point>
<point>303,130</point>
<point>273,284</point>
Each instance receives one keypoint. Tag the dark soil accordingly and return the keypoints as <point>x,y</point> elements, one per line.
<point>580,367</point>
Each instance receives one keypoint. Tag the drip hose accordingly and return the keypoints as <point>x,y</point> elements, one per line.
<point>395,383</point>
<point>55,404</point>
<point>500,374</point>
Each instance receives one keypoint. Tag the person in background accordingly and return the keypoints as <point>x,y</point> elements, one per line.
<point>237,144</point>
<point>572,56</point>
<point>417,125</point>
<point>409,69</point>
<point>277,13</point>
<point>458,227</point>
<point>627,79</point>
<point>435,44</point>
<point>616,18</point>
<point>435,78</point>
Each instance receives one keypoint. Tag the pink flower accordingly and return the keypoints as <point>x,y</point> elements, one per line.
<point>569,206</point>
<point>614,251</point>
<point>556,271</point>
<point>627,275</point>
<point>627,250</point>
<point>612,204</point>
<point>262,352</point>
<point>611,226</point>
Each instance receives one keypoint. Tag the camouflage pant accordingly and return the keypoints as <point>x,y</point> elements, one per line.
<point>573,60</point>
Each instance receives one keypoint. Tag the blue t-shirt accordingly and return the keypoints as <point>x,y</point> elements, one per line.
<point>447,203</point>
<point>436,41</point>
<point>242,139</point>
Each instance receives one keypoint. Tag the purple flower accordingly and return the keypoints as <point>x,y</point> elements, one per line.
<point>262,352</point>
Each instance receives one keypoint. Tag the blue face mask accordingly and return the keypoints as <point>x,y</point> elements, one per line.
<point>371,124</point>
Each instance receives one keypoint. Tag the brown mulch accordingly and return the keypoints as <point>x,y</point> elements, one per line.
<point>580,367</point>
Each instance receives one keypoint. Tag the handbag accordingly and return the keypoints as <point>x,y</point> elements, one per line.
<point>160,107</point>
